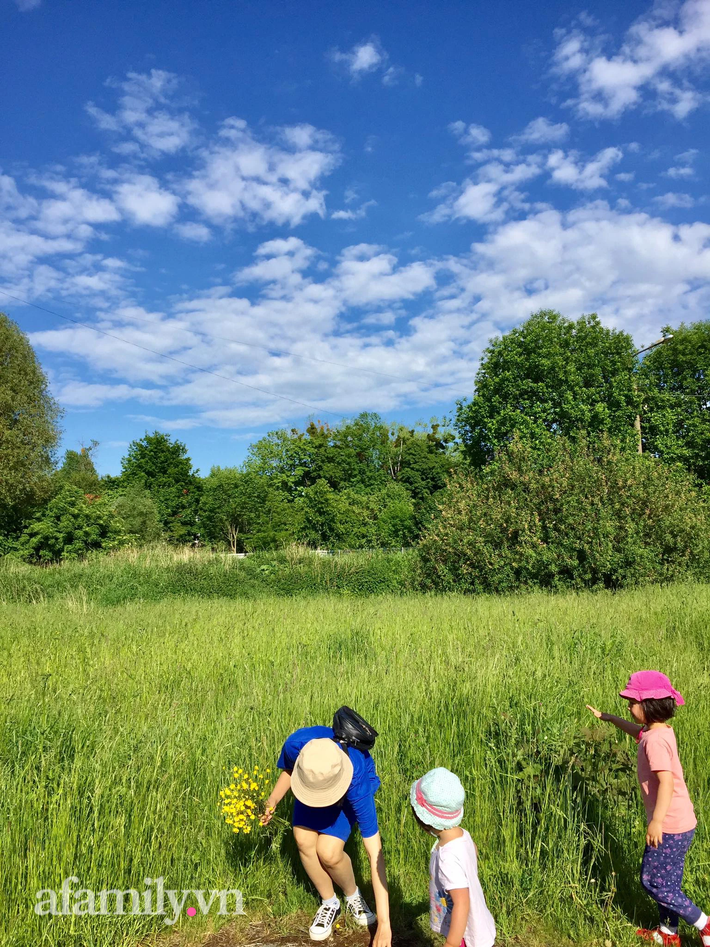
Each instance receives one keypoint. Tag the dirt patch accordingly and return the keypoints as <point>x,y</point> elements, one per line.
<point>272,934</point>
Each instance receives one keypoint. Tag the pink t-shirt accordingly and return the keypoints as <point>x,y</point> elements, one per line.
<point>658,751</point>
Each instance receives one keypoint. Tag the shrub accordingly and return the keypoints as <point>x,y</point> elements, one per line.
<point>566,516</point>
<point>70,526</point>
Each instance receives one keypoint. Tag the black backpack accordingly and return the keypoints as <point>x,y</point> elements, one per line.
<point>351,730</point>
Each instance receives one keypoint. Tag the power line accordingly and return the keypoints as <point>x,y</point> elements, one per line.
<point>274,351</point>
<point>172,358</point>
<point>210,335</point>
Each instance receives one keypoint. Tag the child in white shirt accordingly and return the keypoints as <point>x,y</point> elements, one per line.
<point>458,907</point>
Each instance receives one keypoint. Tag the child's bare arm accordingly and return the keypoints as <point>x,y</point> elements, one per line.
<point>459,916</point>
<point>633,729</point>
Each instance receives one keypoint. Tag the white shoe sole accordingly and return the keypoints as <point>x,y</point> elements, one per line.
<point>327,931</point>
<point>361,919</point>
<point>321,935</point>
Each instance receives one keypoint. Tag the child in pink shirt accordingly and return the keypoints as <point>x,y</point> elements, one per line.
<point>669,811</point>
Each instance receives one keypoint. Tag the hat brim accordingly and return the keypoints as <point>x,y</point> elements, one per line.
<point>320,798</point>
<point>427,817</point>
<point>657,693</point>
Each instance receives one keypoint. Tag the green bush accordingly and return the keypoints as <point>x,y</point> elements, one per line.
<point>566,516</point>
<point>69,527</point>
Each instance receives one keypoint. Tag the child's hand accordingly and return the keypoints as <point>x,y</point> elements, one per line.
<point>597,713</point>
<point>654,835</point>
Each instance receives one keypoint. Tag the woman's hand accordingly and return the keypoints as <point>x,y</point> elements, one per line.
<point>597,713</point>
<point>383,936</point>
<point>268,813</point>
<point>654,834</point>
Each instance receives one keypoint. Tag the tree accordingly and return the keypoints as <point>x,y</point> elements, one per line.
<point>421,461</point>
<point>551,375</point>
<point>363,454</point>
<point>355,518</point>
<point>163,468</point>
<point>70,526</point>
<point>136,508</point>
<point>28,428</point>
<point>285,458</point>
<point>78,470</point>
<point>245,510</point>
<point>676,383</point>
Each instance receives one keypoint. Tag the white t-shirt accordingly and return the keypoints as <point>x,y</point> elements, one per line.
<point>455,865</point>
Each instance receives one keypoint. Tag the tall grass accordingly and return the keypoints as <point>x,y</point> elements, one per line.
<point>151,574</point>
<point>117,726</point>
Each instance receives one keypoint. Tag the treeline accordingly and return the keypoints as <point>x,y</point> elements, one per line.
<point>536,481</point>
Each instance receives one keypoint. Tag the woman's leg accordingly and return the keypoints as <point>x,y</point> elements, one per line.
<point>662,876</point>
<point>307,841</point>
<point>332,856</point>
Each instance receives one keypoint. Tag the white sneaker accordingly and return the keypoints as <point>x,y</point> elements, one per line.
<point>322,926</point>
<point>358,909</point>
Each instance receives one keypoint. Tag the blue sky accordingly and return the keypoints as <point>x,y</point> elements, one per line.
<point>331,208</point>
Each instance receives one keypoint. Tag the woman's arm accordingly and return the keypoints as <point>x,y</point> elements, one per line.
<point>633,729</point>
<point>281,787</point>
<point>373,847</point>
<point>654,834</point>
<point>459,916</point>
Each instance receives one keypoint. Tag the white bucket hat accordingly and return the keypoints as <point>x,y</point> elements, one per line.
<point>322,774</point>
<point>437,798</point>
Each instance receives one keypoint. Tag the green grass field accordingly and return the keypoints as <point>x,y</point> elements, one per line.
<point>118,725</point>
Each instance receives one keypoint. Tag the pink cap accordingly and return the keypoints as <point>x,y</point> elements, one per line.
<point>644,684</point>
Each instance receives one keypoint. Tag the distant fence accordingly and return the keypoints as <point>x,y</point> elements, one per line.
<point>330,552</point>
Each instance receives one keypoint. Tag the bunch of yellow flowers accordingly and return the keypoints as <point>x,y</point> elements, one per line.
<point>241,800</point>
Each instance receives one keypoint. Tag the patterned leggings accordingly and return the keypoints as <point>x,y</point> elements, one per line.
<point>662,876</point>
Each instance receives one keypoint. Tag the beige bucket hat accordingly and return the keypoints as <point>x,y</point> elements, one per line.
<point>322,773</point>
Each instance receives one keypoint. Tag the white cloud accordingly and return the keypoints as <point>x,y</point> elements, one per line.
<point>542,131</point>
<point>81,394</point>
<point>242,178</point>
<point>653,66</point>
<point>625,176</point>
<point>684,167</point>
<point>566,168</point>
<point>362,312</point>
<point>145,202</point>
<point>392,75</point>
<point>367,276</point>
<point>472,135</point>
<point>197,233</point>
<point>147,112</point>
<point>487,196</point>
<point>367,58</point>
<point>680,171</point>
<point>357,214</point>
<point>24,6</point>
<point>671,200</point>
<point>425,322</point>
<point>635,270</point>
